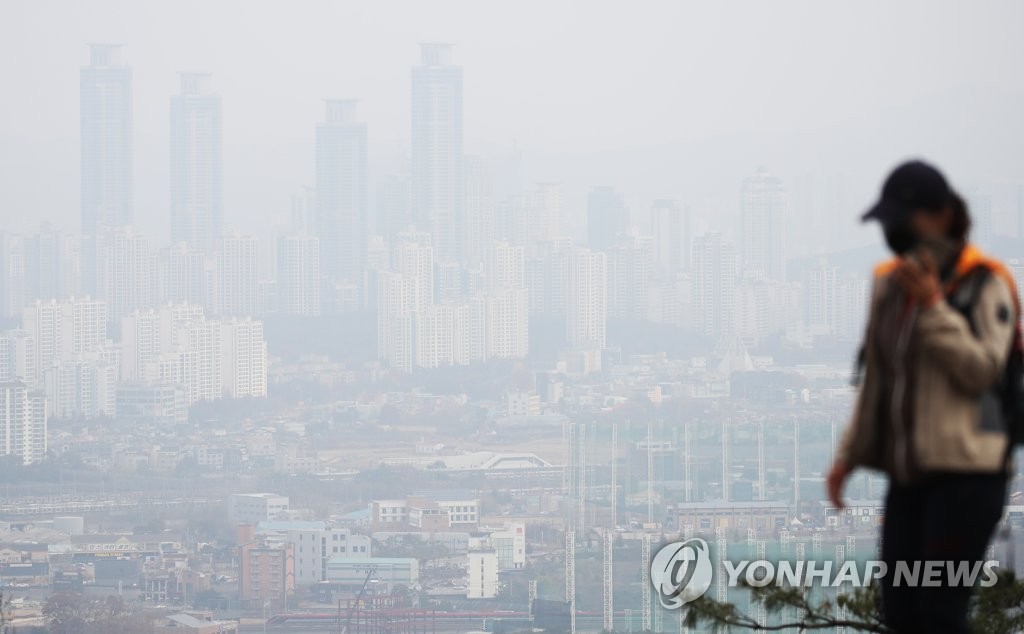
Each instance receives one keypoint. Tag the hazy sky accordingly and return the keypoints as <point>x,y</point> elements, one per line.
<point>657,98</point>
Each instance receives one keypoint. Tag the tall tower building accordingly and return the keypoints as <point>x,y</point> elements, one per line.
<point>437,176</point>
<point>106,129</point>
<point>196,214</point>
<point>762,226</point>
<point>341,191</point>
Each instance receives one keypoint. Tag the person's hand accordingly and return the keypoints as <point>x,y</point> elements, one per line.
<point>920,280</point>
<point>834,482</point>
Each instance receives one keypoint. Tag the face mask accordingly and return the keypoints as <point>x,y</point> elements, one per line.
<point>899,236</point>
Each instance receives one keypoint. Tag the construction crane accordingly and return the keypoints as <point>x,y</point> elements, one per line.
<point>343,628</point>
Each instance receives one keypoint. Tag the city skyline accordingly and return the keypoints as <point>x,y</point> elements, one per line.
<point>775,142</point>
<point>444,314</point>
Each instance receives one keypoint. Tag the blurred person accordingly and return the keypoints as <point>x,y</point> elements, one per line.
<point>930,412</point>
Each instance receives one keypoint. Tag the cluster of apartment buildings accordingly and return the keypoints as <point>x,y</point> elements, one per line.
<point>163,361</point>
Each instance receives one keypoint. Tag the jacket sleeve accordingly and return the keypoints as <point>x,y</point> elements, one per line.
<point>844,451</point>
<point>972,362</point>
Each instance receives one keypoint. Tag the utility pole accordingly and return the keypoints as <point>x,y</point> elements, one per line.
<point>609,587</point>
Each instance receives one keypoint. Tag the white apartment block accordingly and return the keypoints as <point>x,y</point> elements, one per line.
<point>506,267</point>
<point>508,324</point>
<point>587,300</point>
<point>244,358</point>
<point>65,330</point>
<point>17,357</point>
<point>200,357</point>
<point>84,386</point>
<point>419,512</point>
<point>314,547</point>
<point>22,422</point>
<point>482,573</point>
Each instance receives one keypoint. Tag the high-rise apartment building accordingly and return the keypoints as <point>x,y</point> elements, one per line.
<point>508,321</point>
<point>50,265</point>
<point>236,276</point>
<point>762,227</point>
<point>63,331</point>
<point>714,285</point>
<point>244,359</point>
<point>196,213</point>
<point>586,299</point>
<point>17,357</point>
<point>185,276</point>
<point>341,199</point>
<point>437,155</point>
<point>106,131</point>
<point>298,275</point>
<point>22,422</point>
<point>630,269</point>
<point>126,272</point>
<point>505,267</point>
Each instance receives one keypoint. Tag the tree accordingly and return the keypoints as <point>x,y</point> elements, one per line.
<point>996,610</point>
<point>5,612</point>
<point>72,613</point>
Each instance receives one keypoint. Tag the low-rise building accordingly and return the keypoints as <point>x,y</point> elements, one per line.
<point>194,624</point>
<point>391,570</point>
<point>707,516</point>
<point>253,508</point>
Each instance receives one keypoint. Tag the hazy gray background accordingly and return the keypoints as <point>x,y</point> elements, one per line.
<point>658,98</point>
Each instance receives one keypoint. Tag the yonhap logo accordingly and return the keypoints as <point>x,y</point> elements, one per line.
<point>681,572</point>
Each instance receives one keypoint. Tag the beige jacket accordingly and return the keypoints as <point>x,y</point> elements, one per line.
<point>953,372</point>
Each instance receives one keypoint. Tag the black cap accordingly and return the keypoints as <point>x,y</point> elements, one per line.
<point>913,185</point>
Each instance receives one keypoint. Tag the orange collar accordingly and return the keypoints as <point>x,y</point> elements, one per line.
<point>970,258</point>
